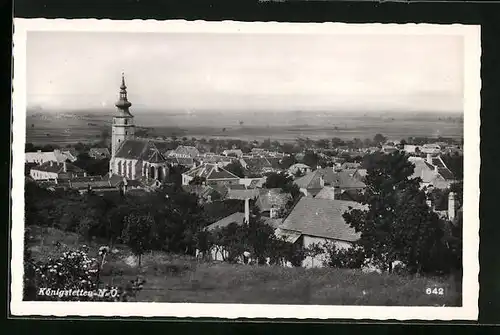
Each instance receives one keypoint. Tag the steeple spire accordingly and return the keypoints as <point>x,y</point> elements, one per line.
<point>123,104</point>
<point>123,87</point>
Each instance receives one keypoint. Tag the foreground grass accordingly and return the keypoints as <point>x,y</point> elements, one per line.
<point>174,278</point>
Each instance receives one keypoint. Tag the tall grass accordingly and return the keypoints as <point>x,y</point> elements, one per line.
<point>176,278</point>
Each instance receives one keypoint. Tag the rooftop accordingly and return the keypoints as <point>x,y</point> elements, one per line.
<point>322,218</point>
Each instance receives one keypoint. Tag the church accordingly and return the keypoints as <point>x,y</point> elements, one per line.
<point>131,157</point>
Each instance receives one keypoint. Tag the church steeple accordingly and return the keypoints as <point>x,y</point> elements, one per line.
<point>123,127</point>
<point>123,104</point>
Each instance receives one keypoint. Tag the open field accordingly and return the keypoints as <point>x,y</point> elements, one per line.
<point>69,127</point>
<point>174,278</point>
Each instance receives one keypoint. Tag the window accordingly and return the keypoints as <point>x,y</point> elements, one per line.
<point>126,133</point>
<point>126,121</point>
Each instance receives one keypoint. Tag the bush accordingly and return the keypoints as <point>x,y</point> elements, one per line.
<point>351,258</point>
<point>72,277</point>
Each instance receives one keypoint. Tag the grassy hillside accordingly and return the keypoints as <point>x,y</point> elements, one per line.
<point>174,278</point>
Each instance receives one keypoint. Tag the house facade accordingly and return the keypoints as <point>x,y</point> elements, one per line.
<point>319,221</point>
<point>54,171</point>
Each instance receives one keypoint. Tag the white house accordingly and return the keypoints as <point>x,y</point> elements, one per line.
<point>319,221</point>
<point>53,171</point>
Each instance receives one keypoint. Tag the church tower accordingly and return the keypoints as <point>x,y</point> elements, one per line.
<point>123,127</point>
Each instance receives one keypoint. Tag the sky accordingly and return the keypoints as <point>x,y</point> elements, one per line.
<point>215,71</point>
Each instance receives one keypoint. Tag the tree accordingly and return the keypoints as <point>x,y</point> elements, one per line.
<point>236,169</point>
<point>337,142</point>
<point>138,233</point>
<point>277,180</point>
<point>287,161</point>
<point>311,159</point>
<point>378,139</point>
<point>398,224</point>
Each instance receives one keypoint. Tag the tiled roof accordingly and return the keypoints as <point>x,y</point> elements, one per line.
<point>310,180</point>
<point>272,197</point>
<point>241,193</point>
<point>140,149</point>
<point>343,179</point>
<point>257,163</point>
<point>187,150</point>
<point>57,167</point>
<point>348,165</point>
<point>99,152</point>
<point>211,171</point>
<point>237,218</point>
<point>427,171</point>
<point>54,156</point>
<point>132,149</point>
<point>446,174</point>
<point>321,218</point>
<point>328,192</point>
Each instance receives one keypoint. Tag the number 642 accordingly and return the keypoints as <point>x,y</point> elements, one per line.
<point>435,290</point>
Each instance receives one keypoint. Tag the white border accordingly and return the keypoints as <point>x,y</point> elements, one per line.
<point>472,52</point>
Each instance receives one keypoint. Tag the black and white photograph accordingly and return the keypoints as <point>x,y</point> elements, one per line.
<point>260,170</point>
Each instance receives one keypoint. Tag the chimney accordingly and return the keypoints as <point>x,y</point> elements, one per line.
<point>333,192</point>
<point>85,174</point>
<point>51,163</point>
<point>451,206</point>
<point>64,167</point>
<point>429,159</point>
<point>272,212</point>
<point>247,210</point>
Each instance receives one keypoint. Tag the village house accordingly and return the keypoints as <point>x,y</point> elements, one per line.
<point>343,180</point>
<point>99,153</point>
<point>256,165</point>
<point>53,171</point>
<point>181,161</point>
<point>319,221</point>
<point>211,174</point>
<point>211,158</point>
<point>433,171</point>
<point>431,148</point>
<point>334,193</point>
<point>233,152</point>
<point>184,151</point>
<point>218,252</point>
<point>56,156</point>
<point>350,166</point>
<point>253,182</point>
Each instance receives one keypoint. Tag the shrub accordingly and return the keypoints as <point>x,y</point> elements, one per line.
<point>350,258</point>
<point>72,277</point>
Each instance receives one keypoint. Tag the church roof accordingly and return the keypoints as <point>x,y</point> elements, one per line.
<point>144,150</point>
